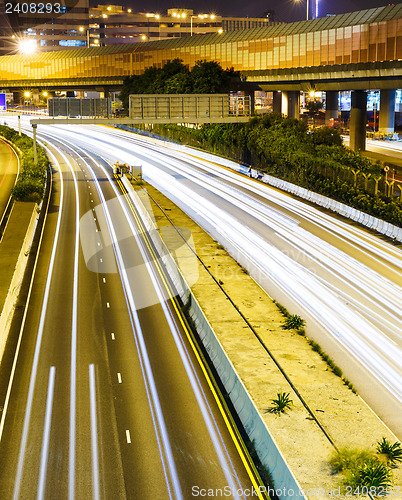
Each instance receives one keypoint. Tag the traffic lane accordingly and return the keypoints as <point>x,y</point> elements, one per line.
<point>106,340</point>
<point>317,221</point>
<point>56,352</point>
<point>196,456</point>
<point>8,173</point>
<point>11,438</point>
<point>86,350</point>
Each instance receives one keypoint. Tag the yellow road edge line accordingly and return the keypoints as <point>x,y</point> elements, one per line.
<point>230,424</point>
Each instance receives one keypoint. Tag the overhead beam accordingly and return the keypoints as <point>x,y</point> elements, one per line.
<point>135,121</point>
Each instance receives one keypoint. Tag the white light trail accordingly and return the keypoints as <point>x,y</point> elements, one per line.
<point>46,435</point>
<point>35,363</point>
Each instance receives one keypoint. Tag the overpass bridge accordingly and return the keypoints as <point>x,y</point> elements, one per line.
<point>356,51</point>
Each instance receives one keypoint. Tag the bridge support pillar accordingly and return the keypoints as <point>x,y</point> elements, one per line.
<point>387,111</point>
<point>331,105</point>
<point>277,101</point>
<point>291,103</point>
<point>358,119</point>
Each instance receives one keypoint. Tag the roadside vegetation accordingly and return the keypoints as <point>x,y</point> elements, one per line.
<point>206,77</point>
<point>30,185</point>
<point>280,404</point>
<point>296,323</point>
<point>285,148</point>
<point>364,471</point>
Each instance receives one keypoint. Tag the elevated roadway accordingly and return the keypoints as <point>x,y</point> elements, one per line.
<point>358,50</point>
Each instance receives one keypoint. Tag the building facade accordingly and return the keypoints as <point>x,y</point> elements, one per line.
<point>43,26</point>
<point>114,24</point>
<point>71,23</point>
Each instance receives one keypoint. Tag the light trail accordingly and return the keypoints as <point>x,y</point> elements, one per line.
<point>200,396</point>
<point>35,363</point>
<point>46,435</point>
<point>348,297</point>
<point>94,434</point>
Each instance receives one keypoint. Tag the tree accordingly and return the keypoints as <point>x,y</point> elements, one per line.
<point>313,108</point>
<point>178,84</point>
<point>208,77</point>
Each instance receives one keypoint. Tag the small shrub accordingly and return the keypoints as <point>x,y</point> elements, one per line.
<point>282,403</point>
<point>281,308</point>
<point>337,371</point>
<point>371,474</point>
<point>393,452</point>
<point>293,322</point>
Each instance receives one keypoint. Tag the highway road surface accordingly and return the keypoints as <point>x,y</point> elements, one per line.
<point>8,173</point>
<point>108,396</point>
<point>345,281</point>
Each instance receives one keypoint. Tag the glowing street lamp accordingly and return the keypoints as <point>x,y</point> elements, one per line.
<point>27,46</point>
<point>83,29</point>
<point>200,16</point>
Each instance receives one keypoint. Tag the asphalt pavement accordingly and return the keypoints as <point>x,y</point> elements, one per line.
<point>108,399</point>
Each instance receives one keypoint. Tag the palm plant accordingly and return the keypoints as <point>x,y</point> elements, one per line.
<point>282,403</point>
<point>393,452</point>
<point>293,321</point>
<point>371,474</point>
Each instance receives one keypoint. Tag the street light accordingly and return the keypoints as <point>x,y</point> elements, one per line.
<point>27,46</point>
<point>315,10</point>
<point>308,7</point>
<point>82,29</point>
<point>200,16</point>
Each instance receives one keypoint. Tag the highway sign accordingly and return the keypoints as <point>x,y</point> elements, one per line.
<point>3,103</point>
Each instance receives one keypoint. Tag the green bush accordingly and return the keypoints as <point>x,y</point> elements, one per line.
<point>361,470</point>
<point>281,404</point>
<point>393,452</point>
<point>293,322</point>
<point>30,185</point>
<point>371,474</point>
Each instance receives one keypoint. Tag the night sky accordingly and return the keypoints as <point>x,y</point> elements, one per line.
<point>286,10</point>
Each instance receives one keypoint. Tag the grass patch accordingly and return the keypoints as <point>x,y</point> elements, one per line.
<point>295,322</point>
<point>30,185</point>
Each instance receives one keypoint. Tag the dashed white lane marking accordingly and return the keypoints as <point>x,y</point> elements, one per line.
<point>128,437</point>
<point>112,335</point>
<point>119,377</point>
